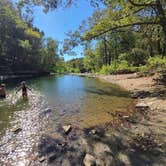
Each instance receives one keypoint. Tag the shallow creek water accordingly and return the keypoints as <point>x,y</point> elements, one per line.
<point>80,101</point>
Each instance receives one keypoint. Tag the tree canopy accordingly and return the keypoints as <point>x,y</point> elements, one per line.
<point>121,34</point>
<point>23,47</point>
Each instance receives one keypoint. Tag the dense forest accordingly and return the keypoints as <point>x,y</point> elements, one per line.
<point>122,36</point>
<point>23,47</point>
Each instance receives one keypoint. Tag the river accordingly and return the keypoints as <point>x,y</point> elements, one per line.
<point>54,101</point>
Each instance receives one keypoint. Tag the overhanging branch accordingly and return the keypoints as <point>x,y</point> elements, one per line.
<point>123,26</point>
<point>141,4</point>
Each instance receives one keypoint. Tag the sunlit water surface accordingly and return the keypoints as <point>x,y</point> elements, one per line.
<point>80,101</point>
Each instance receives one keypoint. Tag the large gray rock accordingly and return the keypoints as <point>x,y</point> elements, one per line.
<point>89,160</point>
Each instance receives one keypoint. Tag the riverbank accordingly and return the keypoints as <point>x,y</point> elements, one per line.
<point>148,130</point>
<point>140,138</point>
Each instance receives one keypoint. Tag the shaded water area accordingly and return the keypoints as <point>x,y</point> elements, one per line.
<point>55,101</point>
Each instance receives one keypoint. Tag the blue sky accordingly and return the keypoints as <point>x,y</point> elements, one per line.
<point>56,23</point>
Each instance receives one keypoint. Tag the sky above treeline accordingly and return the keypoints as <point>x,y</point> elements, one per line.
<point>56,23</point>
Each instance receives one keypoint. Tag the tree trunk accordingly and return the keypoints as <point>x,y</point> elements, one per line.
<point>105,51</point>
<point>162,18</point>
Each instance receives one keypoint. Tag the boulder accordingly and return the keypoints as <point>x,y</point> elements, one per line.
<point>89,160</point>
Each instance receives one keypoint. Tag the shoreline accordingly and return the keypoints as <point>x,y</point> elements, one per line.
<point>146,128</point>
<point>149,127</point>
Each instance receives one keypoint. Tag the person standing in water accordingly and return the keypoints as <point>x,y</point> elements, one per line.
<point>24,89</point>
<point>2,91</point>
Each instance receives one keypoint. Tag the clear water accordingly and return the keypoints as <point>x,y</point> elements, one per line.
<point>80,101</point>
<point>73,99</point>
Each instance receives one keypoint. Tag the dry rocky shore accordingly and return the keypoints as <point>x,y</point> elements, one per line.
<point>147,131</point>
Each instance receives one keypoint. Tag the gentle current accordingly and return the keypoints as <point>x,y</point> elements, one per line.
<point>80,101</point>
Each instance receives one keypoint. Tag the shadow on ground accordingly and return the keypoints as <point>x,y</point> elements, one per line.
<point>115,149</point>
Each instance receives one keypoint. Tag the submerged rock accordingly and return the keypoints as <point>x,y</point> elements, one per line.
<point>67,129</point>
<point>89,160</point>
<point>45,113</point>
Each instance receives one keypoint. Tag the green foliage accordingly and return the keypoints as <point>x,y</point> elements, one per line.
<point>153,64</point>
<point>119,68</point>
<point>136,57</point>
<point>107,69</point>
<point>75,66</point>
<point>91,60</point>
<point>126,34</point>
<point>25,44</point>
<point>156,62</point>
<point>22,46</point>
<point>31,32</point>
